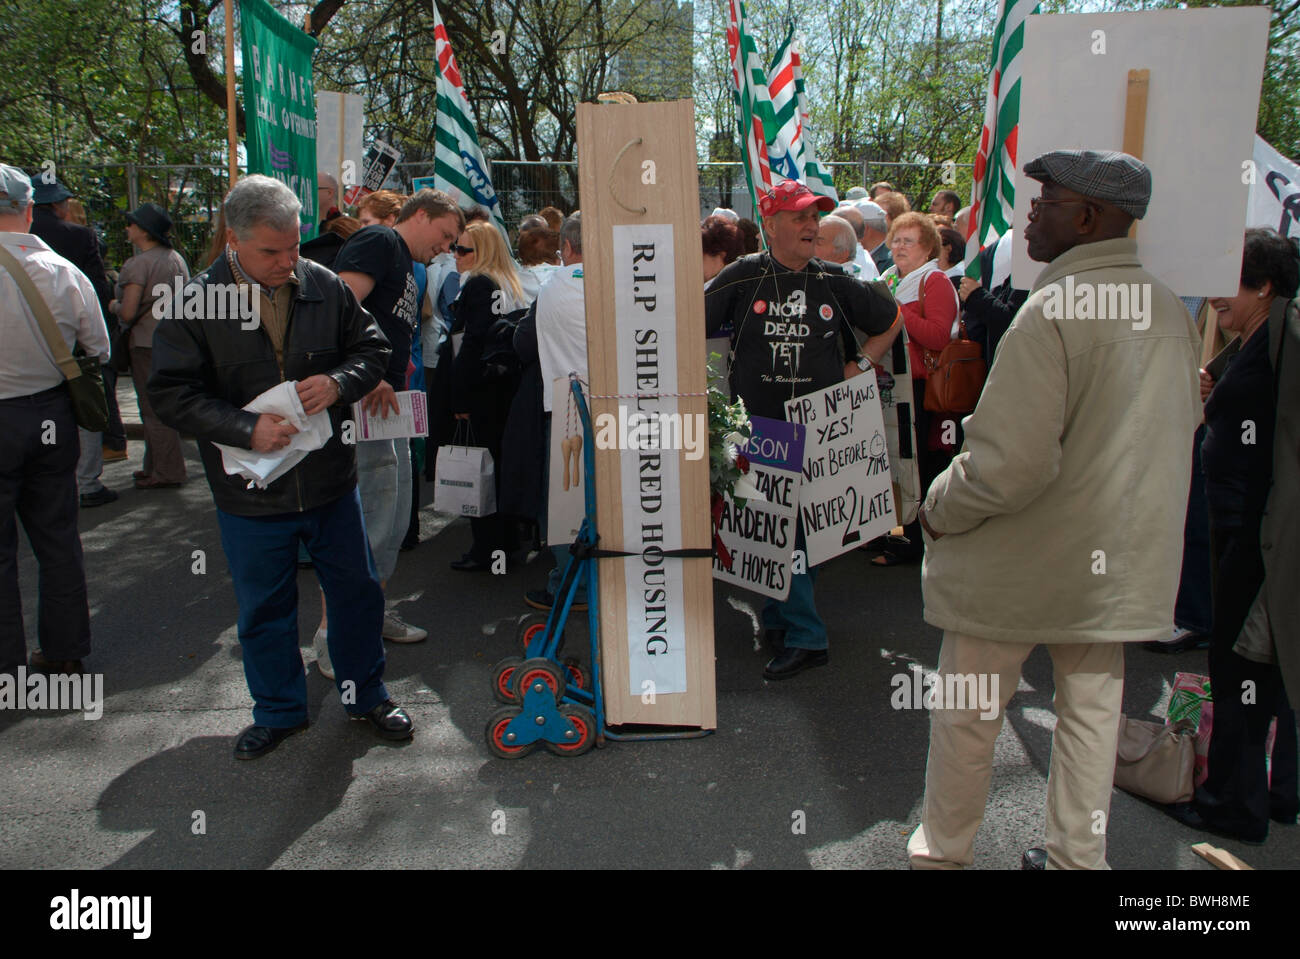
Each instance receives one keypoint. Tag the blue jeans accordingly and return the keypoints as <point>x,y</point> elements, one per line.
<point>798,615</point>
<point>384,484</point>
<point>263,556</point>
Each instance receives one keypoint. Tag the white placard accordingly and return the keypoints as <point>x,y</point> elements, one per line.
<point>1206,68</point>
<point>759,538</point>
<point>846,498</point>
<point>645,317</point>
<point>565,495</point>
<point>339,121</point>
<point>411,420</point>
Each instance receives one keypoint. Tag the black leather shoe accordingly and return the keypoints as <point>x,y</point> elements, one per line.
<point>467,565</point>
<point>1034,859</point>
<point>1187,814</point>
<point>1286,815</point>
<point>101,497</point>
<point>792,661</point>
<point>389,719</point>
<point>259,740</point>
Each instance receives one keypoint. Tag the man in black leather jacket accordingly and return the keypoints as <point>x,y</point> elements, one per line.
<point>206,368</point>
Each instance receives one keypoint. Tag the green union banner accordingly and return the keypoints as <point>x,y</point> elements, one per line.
<point>280,103</point>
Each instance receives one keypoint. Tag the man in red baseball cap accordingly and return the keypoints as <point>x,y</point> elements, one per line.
<point>792,318</point>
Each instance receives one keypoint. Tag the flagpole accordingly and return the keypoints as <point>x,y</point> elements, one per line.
<point>232,136</point>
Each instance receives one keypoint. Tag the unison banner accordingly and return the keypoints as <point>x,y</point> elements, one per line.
<point>280,103</point>
<point>759,537</point>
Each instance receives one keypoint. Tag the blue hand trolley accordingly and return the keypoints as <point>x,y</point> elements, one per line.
<point>548,700</point>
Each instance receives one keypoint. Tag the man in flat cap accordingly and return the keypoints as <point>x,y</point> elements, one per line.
<point>52,222</point>
<point>1061,520</point>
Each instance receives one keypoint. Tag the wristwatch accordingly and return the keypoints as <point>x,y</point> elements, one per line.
<point>339,382</point>
<point>864,363</point>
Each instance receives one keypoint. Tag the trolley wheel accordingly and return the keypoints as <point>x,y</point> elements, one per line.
<point>584,726</point>
<point>496,735</point>
<point>529,627</point>
<point>577,674</point>
<point>503,674</point>
<point>535,670</point>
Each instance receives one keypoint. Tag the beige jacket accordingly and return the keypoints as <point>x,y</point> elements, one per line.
<point>1064,511</point>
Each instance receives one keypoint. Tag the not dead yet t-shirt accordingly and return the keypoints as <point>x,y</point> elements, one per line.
<point>790,328</point>
<point>381,254</point>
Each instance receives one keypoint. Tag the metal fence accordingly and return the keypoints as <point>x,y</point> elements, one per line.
<point>192,193</point>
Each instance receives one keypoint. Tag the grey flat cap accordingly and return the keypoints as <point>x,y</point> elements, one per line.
<point>856,193</point>
<point>1108,175</point>
<point>15,189</point>
<point>872,214</point>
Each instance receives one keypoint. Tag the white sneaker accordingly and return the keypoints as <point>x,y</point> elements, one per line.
<point>321,645</point>
<point>400,632</point>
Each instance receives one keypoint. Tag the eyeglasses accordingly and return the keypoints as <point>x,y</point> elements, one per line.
<point>1038,201</point>
<point>904,241</point>
<point>461,250</point>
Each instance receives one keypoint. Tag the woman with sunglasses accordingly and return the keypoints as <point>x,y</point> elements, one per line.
<point>484,381</point>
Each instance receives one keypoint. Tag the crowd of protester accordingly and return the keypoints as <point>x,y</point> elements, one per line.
<point>483,323</point>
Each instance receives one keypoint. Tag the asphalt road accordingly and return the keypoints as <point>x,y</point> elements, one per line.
<point>126,791</point>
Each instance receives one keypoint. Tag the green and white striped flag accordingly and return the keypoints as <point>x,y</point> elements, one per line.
<point>993,192</point>
<point>790,147</point>
<point>458,164</point>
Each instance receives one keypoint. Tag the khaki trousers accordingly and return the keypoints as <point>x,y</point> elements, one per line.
<point>1089,692</point>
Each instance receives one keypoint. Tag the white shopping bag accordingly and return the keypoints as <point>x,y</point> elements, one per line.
<point>464,481</point>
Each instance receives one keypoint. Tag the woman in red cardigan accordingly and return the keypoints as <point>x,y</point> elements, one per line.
<point>930,306</point>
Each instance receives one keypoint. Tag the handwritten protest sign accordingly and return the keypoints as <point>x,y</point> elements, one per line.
<point>759,538</point>
<point>846,497</point>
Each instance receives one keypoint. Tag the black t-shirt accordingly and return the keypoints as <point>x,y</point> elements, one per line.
<point>790,328</point>
<point>381,254</point>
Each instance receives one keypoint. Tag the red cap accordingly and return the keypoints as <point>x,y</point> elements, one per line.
<point>792,195</point>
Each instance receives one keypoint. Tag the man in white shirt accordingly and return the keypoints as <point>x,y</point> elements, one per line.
<point>561,313</point>
<point>39,444</point>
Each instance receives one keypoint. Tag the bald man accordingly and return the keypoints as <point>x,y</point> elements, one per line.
<point>860,263</point>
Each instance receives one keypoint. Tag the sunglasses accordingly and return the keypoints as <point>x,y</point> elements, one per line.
<point>461,250</point>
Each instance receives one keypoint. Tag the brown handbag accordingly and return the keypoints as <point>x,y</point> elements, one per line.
<point>1156,760</point>
<point>955,374</point>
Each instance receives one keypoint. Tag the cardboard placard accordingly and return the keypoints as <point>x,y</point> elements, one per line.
<point>847,497</point>
<point>1206,66</point>
<point>759,538</point>
<point>645,346</point>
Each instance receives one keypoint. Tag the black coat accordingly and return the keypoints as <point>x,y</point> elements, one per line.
<point>524,449</point>
<point>79,246</point>
<point>206,370</point>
